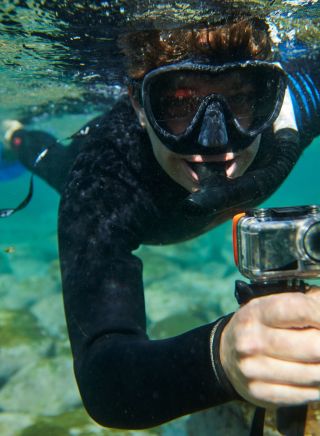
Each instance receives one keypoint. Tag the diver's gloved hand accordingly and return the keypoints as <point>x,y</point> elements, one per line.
<point>10,127</point>
<point>218,193</point>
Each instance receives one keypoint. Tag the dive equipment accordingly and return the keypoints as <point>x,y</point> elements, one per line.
<point>277,248</point>
<point>202,108</point>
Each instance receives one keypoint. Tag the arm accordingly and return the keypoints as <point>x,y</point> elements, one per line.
<point>55,167</point>
<point>125,379</point>
<point>304,84</point>
<point>26,145</point>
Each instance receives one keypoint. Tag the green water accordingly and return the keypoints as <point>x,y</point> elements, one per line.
<point>186,285</point>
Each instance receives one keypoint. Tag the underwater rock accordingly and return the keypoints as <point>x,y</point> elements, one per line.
<point>189,254</point>
<point>50,315</point>
<point>232,419</point>
<point>175,325</point>
<point>19,293</point>
<point>194,253</point>
<point>155,265</point>
<point>166,298</point>
<point>192,292</point>
<point>45,387</point>
<point>29,259</point>
<point>22,341</point>
<point>54,270</point>
<point>77,423</point>
<point>11,424</point>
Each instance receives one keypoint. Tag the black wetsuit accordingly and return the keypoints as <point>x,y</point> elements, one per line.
<point>115,198</point>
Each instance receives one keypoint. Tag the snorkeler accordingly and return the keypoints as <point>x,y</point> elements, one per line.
<point>214,124</point>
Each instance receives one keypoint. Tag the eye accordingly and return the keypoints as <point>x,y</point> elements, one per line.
<point>241,99</point>
<point>179,103</point>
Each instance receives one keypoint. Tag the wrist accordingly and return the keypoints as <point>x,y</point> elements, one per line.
<point>218,369</point>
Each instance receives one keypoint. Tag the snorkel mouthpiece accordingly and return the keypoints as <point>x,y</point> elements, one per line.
<point>218,194</point>
<point>213,130</point>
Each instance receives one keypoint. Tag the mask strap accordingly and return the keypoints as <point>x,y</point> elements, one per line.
<point>5,213</point>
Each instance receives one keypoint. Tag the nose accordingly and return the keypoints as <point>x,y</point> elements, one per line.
<point>213,130</point>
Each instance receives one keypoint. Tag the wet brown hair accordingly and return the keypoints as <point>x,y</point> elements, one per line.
<point>247,39</point>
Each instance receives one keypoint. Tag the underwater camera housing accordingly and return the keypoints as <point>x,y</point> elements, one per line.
<point>272,244</point>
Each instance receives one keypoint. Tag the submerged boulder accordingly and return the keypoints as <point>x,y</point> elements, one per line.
<point>22,341</point>
<point>45,387</point>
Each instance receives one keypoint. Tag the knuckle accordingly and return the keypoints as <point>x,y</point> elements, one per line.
<point>296,304</point>
<point>246,345</point>
<point>250,311</point>
<point>246,368</point>
<point>240,343</point>
<point>312,345</point>
<point>255,390</point>
<point>281,306</point>
<point>316,350</point>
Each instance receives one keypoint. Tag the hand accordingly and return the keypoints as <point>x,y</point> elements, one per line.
<point>10,127</point>
<point>270,349</point>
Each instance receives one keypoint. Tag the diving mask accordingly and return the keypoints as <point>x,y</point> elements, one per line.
<point>197,108</point>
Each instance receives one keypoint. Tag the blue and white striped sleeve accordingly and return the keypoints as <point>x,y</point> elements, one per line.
<point>304,85</point>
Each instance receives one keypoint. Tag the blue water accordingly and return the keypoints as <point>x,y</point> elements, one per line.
<point>32,235</point>
<point>38,395</point>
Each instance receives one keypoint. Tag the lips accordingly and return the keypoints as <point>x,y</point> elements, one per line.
<point>231,165</point>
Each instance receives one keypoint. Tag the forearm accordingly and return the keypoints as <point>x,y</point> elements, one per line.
<point>55,166</point>
<point>127,381</point>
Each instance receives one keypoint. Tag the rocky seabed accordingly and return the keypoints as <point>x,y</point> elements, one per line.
<point>186,285</point>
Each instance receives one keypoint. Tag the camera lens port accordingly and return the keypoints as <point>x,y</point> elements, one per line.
<point>311,242</point>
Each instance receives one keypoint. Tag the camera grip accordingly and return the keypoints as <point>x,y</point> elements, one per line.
<point>290,421</point>
<point>244,292</point>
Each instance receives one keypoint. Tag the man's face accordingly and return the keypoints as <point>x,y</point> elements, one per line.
<point>183,95</point>
<point>178,167</point>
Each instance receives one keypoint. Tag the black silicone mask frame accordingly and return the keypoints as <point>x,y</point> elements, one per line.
<point>240,138</point>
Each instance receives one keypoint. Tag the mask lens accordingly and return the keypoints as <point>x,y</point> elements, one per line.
<point>175,99</point>
<point>249,94</point>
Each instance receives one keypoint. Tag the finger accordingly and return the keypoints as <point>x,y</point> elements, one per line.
<point>290,309</point>
<point>275,371</point>
<point>314,292</point>
<point>266,394</point>
<point>290,345</point>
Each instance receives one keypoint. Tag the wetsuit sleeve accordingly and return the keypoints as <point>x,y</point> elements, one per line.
<point>304,84</point>
<point>125,379</point>
<point>55,167</point>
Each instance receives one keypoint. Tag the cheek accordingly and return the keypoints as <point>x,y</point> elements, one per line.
<point>166,161</point>
<point>159,150</point>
